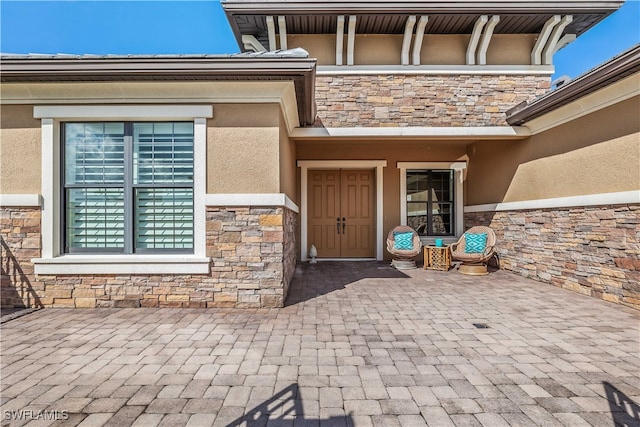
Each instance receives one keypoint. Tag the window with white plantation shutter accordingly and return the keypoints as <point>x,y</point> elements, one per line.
<point>128,187</point>
<point>163,183</point>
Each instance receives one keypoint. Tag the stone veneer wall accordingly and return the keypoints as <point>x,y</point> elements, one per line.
<point>422,100</point>
<point>592,250</point>
<point>289,253</point>
<point>253,261</point>
<point>20,240</point>
<point>250,263</point>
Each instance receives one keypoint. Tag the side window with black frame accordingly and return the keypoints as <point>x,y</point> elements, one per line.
<point>128,187</point>
<point>430,202</point>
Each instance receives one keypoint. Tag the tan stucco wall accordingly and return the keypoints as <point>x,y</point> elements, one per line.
<point>437,49</point>
<point>19,150</point>
<point>287,163</point>
<point>320,46</point>
<point>444,49</point>
<point>242,149</point>
<point>377,49</point>
<point>244,142</point>
<point>597,153</point>
<point>511,49</point>
<point>451,49</point>
<point>392,152</point>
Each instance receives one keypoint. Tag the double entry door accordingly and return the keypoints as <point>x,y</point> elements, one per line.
<point>342,213</point>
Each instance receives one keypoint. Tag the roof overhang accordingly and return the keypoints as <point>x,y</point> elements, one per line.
<point>388,17</point>
<point>616,69</point>
<point>57,69</point>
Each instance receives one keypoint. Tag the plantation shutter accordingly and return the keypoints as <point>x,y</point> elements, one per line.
<point>94,178</point>
<point>128,187</point>
<point>163,181</point>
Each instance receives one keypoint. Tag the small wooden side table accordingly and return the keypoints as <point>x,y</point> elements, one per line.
<point>437,258</point>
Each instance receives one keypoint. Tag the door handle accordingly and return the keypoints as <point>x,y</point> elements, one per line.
<point>344,224</point>
<point>338,225</point>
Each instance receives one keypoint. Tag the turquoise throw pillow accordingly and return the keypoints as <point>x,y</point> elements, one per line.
<point>403,241</point>
<point>475,243</point>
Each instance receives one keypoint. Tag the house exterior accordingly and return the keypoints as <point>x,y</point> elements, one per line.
<point>201,180</point>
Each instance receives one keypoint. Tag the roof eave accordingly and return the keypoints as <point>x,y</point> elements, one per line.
<point>301,71</point>
<point>20,68</point>
<point>615,69</point>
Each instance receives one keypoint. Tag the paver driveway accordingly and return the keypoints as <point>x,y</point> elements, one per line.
<point>358,344</point>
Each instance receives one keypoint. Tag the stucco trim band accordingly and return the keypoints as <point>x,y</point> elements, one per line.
<point>618,198</point>
<point>20,200</point>
<point>121,264</point>
<point>460,132</point>
<point>492,70</point>
<point>264,199</point>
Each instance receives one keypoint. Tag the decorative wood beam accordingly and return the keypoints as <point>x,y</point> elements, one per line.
<point>417,42</point>
<point>282,30</point>
<point>406,41</point>
<point>475,37</point>
<point>271,29</point>
<point>536,53</point>
<point>251,43</point>
<point>340,40</point>
<point>486,39</point>
<point>564,40</point>
<point>550,47</point>
<point>351,39</point>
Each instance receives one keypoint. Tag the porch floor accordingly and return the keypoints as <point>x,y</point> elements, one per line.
<point>358,343</point>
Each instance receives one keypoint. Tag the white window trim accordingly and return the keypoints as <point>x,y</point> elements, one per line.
<point>458,168</point>
<point>52,261</point>
<point>305,165</point>
<point>20,200</point>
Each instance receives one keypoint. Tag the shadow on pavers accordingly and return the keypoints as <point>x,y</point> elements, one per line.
<point>285,405</point>
<point>7,314</point>
<point>625,412</point>
<point>313,280</point>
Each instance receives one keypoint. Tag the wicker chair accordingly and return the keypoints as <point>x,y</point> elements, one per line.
<point>403,259</point>
<point>474,264</point>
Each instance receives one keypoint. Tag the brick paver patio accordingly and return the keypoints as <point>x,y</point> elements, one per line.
<point>358,344</point>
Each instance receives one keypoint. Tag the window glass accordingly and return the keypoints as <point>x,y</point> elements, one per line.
<point>164,218</point>
<point>128,187</point>
<point>430,202</point>
<point>94,153</point>
<point>95,218</point>
<point>163,153</point>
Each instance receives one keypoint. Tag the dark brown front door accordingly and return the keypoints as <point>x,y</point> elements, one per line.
<point>342,213</point>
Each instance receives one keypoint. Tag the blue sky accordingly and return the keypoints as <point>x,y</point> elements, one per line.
<point>200,26</point>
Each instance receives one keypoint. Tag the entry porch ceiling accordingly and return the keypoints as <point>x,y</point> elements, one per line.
<point>389,17</point>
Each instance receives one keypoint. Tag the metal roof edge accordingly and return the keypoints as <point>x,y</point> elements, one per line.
<point>59,69</point>
<point>618,67</point>
<point>448,6</point>
<point>13,68</point>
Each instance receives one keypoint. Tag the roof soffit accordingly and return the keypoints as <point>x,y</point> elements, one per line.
<point>614,70</point>
<point>388,17</point>
<point>56,69</point>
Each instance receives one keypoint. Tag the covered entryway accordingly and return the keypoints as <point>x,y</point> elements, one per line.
<point>341,220</point>
<point>341,208</point>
